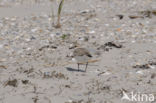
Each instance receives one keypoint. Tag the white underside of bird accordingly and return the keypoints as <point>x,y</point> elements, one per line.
<point>81,59</point>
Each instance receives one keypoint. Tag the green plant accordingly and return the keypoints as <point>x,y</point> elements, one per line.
<point>64,36</point>
<point>59,14</point>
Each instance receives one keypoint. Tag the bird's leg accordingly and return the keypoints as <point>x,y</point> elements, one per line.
<point>86,66</point>
<point>78,66</point>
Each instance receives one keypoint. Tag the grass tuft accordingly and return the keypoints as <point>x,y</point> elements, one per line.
<point>59,14</point>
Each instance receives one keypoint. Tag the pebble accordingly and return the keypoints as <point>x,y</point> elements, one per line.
<point>34,30</point>
<point>152,67</point>
<point>91,32</point>
<point>140,72</point>
<point>72,46</point>
<point>32,38</point>
<point>84,11</point>
<point>58,34</point>
<point>27,39</point>
<point>1,46</point>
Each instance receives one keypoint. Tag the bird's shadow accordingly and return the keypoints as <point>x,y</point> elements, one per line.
<point>74,70</point>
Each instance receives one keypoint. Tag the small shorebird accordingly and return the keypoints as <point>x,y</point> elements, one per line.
<point>82,56</point>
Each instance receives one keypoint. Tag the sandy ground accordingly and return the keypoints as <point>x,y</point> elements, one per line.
<point>35,58</point>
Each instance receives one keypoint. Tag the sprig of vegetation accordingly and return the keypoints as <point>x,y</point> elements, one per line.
<point>64,36</point>
<point>59,14</point>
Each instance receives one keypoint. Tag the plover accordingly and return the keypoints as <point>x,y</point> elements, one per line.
<point>82,56</point>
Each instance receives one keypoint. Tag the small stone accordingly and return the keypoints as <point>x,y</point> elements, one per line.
<point>25,81</point>
<point>28,39</point>
<point>34,30</point>
<point>28,48</point>
<point>1,46</point>
<point>84,11</point>
<point>120,16</point>
<point>70,101</point>
<point>3,60</point>
<point>52,35</point>
<point>140,72</point>
<point>84,38</point>
<point>58,33</point>
<point>152,67</point>
<point>91,32</point>
<point>47,74</point>
<point>72,46</point>
<point>32,38</point>
<point>107,25</point>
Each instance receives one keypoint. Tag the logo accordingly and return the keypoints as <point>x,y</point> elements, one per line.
<point>140,97</point>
